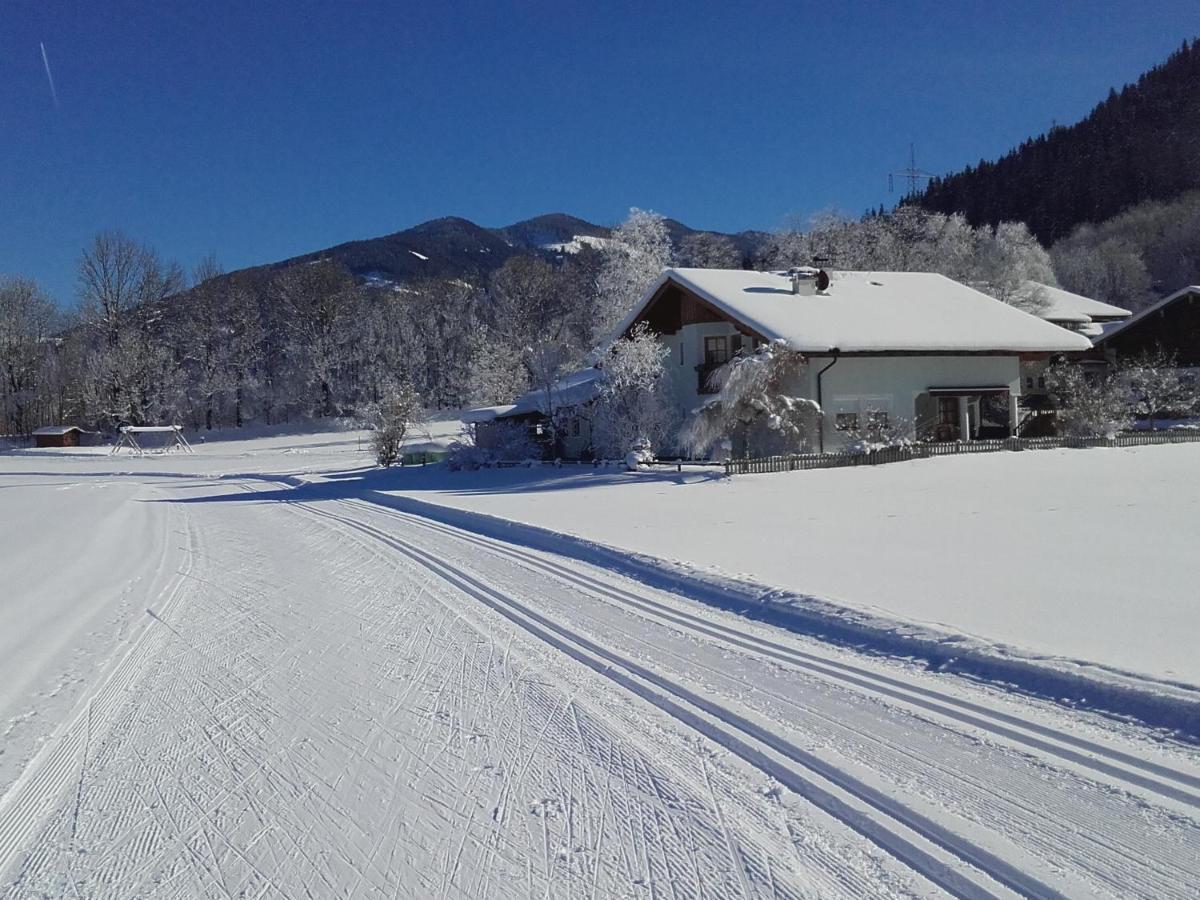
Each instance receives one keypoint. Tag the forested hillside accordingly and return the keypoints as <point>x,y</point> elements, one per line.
<point>1140,144</point>
<point>461,314</point>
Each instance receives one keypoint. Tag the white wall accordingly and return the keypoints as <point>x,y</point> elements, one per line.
<point>687,352</point>
<point>858,383</point>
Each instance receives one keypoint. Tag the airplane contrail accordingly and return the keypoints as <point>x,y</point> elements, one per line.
<point>49,77</point>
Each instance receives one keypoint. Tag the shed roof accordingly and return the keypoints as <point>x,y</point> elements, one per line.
<point>486,413</point>
<point>570,390</point>
<point>869,312</point>
<point>58,429</point>
<point>1118,327</point>
<point>1065,306</point>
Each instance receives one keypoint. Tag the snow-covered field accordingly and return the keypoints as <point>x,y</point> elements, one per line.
<point>246,673</point>
<point>1087,555</point>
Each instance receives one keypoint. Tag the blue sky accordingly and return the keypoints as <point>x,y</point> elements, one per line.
<point>260,130</point>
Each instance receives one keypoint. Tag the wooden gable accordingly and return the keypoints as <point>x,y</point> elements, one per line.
<point>1175,328</point>
<point>674,306</point>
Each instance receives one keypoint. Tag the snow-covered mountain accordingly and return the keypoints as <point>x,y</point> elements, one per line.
<point>453,247</point>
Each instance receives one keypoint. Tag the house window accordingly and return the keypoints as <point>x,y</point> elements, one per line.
<point>877,419</point>
<point>846,421</point>
<point>1029,383</point>
<point>716,351</point>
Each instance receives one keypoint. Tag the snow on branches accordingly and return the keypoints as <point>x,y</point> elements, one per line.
<point>632,410</point>
<point>753,404</point>
<point>1088,405</point>
<point>635,257</point>
<point>1158,387</point>
<point>390,419</point>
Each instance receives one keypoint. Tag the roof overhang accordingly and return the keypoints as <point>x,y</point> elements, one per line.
<point>709,302</point>
<point>486,413</point>
<point>973,391</point>
<point>1193,289</point>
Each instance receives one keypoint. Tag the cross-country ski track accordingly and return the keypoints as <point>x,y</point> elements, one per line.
<point>334,698</point>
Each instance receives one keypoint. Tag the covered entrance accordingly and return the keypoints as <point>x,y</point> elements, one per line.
<point>965,413</point>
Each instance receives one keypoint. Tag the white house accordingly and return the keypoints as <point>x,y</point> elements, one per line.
<point>908,347</point>
<point>912,350</point>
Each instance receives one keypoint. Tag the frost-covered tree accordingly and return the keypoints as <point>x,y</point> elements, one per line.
<point>706,250</point>
<point>1008,258</point>
<point>27,318</point>
<point>1088,404</point>
<point>531,306</point>
<point>1158,387</point>
<point>999,261</point>
<point>633,409</point>
<point>634,258</point>
<point>319,301</point>
<point>1136,256</point>
<point>755,407</point>
<point>390,419</point>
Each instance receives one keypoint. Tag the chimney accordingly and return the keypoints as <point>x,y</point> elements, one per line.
<point>794,274</point>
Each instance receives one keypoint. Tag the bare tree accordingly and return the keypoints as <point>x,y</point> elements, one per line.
<point>122,288</point>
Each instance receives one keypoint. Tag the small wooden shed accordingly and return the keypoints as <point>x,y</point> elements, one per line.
<point>58,436</point>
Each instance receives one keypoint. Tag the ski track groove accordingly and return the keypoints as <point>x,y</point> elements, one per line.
<point>637,680</point>
<point>997,722</point>
<point>1106,863</point>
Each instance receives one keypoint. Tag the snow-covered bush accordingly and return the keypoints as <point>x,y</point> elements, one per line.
<point>632,410</point>
<point>878,432</point>
<point>752,407</point>
<point>638,456</point>
<point>1088,405</point>
<point>398,409</point>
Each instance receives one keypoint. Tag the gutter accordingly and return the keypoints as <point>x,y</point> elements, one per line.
<point>821,398</point>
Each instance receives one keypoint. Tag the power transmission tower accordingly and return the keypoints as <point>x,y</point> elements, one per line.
<point>912,174</point>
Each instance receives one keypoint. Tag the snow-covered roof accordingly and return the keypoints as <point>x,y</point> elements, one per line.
<point>570,390</point>
<point>1064,306</point>
<point>1117,327</point>
<point>865,312</point>
<point>57,429</point>
<point>486,413</point>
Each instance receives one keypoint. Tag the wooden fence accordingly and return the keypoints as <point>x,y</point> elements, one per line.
<point>796,462</point>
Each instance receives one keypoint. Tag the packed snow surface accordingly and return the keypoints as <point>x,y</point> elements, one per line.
<point>247,673</point>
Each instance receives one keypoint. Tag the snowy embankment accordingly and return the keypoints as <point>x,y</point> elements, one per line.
<point>1070,573</point>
